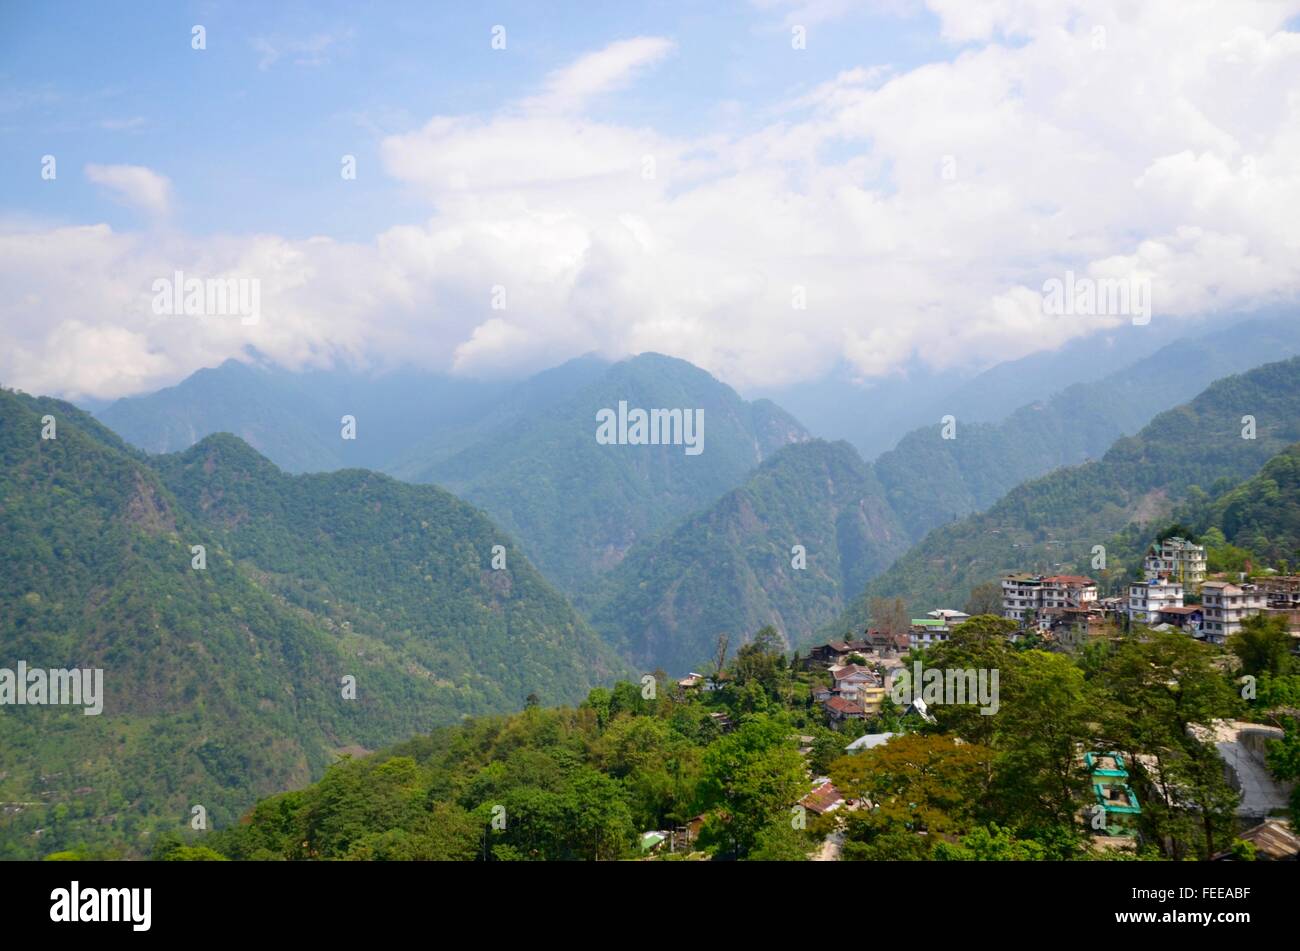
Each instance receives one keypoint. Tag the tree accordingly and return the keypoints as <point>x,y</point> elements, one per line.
<point>990,844</point>
<point>1154,689</point>
<point>753,775</point>
<point>1042,722</point>
<point>889,615</point>
<point>919,783</point>
<point>780,841</point>
<point>761,662</point>
<point>985,598</point>
<point>720,658</point>
<point>1263,646</point>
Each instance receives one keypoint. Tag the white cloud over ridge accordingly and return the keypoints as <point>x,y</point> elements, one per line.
<point>1116,140</point>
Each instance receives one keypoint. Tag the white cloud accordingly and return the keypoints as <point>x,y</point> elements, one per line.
<point>136,186</point>
<point>1168,153</point>
<point>597,73</point>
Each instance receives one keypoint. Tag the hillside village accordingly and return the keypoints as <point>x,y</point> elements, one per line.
<point>853,679</point>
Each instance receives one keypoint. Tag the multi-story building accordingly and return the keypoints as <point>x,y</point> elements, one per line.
<point>1179,559</point>
<point>1226,605</point>
<point>1068,591</point>
<point>1021,595</point>
<point>926,631</point>
<point>1025,594</point>
<point>1146,599</point>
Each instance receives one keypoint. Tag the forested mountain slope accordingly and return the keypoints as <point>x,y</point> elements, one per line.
<point>225,684</point>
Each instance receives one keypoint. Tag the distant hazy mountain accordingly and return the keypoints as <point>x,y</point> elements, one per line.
<point>404,418</point>
<point>577,505</point>
<point>874,415</point>
<point>1051,524</point>
<point>224,684</point>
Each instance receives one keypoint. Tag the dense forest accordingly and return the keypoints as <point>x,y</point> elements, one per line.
<point>225,682</point>
<point>734,567</point>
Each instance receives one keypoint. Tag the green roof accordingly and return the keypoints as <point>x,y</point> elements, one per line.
<point>1109,806</point>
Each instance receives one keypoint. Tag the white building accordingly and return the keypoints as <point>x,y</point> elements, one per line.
<point>1024,593</point>
<point>1179,559</point>
<point>1068,591</point>
<point>1021,595</point>
<point>1147,598</point>
<point>951,618</point>
<point>1226,605</point>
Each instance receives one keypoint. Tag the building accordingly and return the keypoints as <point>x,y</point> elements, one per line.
<point>1146,599</point>
<point>1179,559</point>
<point>870,698</point>
<point>692,681</point>
<point>1114,796</point>
<point>1226,605</point>
<point>949,616</point>
<point>1025,595</point>
<point>926,631</point>
<point>849,679</point>
<point>835,652</point>
<point>1282,592</point>
<point>869,742</point>
<point>1073,627</point>
<point>1273,841</point>
<point>1190,619</point>
<point>1067,591</point>
<point>823,799</point>
<point>839,709</point>
<point>1021,595</point>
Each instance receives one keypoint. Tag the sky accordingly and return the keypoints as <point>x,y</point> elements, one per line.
<point>769,189</point>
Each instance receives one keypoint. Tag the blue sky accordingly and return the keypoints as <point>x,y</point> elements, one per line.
<point>252,138</point>
<point>675,177</point>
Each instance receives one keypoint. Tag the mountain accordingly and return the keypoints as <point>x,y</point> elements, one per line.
<point>931,480</point>
<point>224,684</point>
<point>731,568</point>
<point>1052,523</point>
<point>875,414</point>
<point>405,418</point>
<point>525,452</point>
<point>672,597</point>
<point>1262,514</point>
<point>578,505</point>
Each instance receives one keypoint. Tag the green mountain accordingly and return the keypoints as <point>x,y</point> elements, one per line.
<point>578,506</point>
<point>1262,514</point>
<point>732,568</point>
<point>225,684</point>
<point>1248,525</point>
<point>931,481</point>
<point>727,569</point>
<point>1052,523</point>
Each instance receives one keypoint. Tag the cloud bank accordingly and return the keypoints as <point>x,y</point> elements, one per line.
<point>914,214</point>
